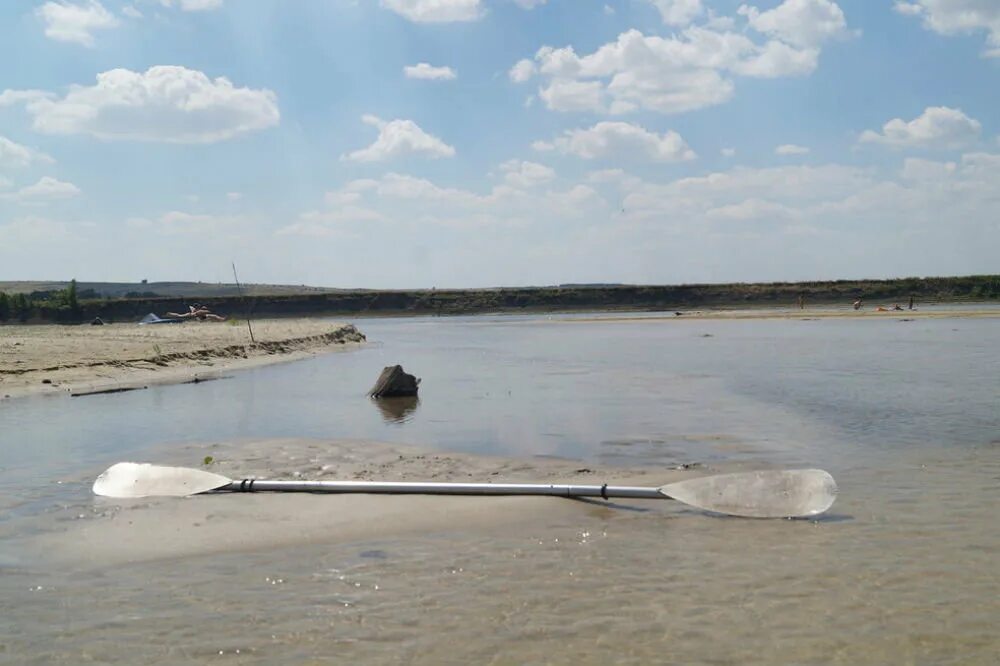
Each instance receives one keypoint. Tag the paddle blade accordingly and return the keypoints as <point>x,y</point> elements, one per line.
<point>767,494</point>
<point>127,479</point>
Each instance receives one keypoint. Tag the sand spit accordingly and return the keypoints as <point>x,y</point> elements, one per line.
<point>167,528</point>
<point>84,359</point>
<point>806,314</point>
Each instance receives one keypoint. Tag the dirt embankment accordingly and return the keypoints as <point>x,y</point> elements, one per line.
<point>84,359</point>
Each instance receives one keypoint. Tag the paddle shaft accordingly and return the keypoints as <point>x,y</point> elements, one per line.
<point>409,488</point>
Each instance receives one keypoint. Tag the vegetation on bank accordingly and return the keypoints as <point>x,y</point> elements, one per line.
<point>70,305</point>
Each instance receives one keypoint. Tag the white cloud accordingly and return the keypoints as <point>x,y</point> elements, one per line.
<point>529,4</point>
<point>75,23</point>
<point>791,149</point>
<point>131,12</point>
<point>683,72</point>
<point>234,196</point>
<point>937,127</point>
<point>526,175</point>
<point>14,155</point>
<point>46,189</point>
<point>953,17</point>
<point>165,103</point>
<point>609,10</point>
<point>728,152</point>
<point>565,95</point>
<point>426,71</point>
<point>436,11</point>
<point>802,23</point>
<point>398,138</point>
<point>623,140</point>
<point>917,169</point>
<point>678,12</point>
<point>11,97</point>
<point>522,70</point>
<point>193,5</point>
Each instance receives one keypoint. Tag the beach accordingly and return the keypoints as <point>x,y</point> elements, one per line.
<point>52,359</point>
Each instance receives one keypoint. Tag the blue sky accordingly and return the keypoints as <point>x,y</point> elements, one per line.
<point>465,143</point>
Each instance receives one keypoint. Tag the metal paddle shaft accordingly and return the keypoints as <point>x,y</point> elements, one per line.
<point>411,488</point>
<point>764,494</point>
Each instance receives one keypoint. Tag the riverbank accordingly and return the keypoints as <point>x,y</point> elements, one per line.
<point>52,359</point>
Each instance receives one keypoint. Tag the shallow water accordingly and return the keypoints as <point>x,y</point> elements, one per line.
<point>903,570</point>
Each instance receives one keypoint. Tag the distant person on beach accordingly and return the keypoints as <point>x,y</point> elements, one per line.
<point>857,304</point>
<point>911,302</point>
<point>199,312</point>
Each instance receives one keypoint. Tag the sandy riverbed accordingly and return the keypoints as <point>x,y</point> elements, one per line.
<point>80,359</point>
<point>132,530</point>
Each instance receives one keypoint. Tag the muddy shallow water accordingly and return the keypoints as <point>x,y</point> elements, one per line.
<point>904,569</point>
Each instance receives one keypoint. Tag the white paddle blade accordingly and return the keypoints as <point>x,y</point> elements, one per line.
<point>127,479</point>
<point>767,494</point>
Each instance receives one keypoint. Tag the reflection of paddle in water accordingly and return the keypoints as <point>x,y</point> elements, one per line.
<point>397,410</point>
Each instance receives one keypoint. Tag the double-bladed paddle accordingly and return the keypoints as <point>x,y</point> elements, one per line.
<point>765,494</point>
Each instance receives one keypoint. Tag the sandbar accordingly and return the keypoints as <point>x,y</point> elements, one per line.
<point>75,360</point>
<point>123,531</point>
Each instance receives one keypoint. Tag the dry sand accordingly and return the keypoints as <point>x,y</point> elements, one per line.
<point>120,531</point>
<point>81,359</point>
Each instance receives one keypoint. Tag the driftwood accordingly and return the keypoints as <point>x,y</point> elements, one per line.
<point>394,382</point>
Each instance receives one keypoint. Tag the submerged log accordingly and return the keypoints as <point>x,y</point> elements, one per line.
<point>394,382</point>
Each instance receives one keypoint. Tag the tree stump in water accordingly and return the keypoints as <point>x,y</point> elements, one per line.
<point>394,382</point>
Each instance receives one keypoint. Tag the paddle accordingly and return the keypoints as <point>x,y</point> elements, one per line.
<point>765,494</point>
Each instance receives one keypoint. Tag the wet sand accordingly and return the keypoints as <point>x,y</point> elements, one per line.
<point>127,531</point>
<point>82,359</point>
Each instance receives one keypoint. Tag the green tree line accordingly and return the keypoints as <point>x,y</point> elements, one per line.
<point>63,305</point>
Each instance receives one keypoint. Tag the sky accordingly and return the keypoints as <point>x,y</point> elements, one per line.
<point>476,143</point>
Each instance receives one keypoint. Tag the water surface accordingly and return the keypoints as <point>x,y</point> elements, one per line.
<point>904,570</point>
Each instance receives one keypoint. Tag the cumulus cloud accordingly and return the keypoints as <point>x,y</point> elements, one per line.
<point>46,189</point>
<point>620,139</point>
<point>937,127</point>
<point>688,70</point>
<point>14,155</point>
<point>684,72</point>
<point>728,152</point>
<point>398,138</point>
<point>426,71</point>
<point>436,11</point>
<point>522,174</point>
<point>165,103</point>
<point>522,70</point>
<point>75,23</point>
<point>791,149</point>
<point>678,12</point>
<point>11,97</point>
<point>952,17</point>
<point>802,23</point>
